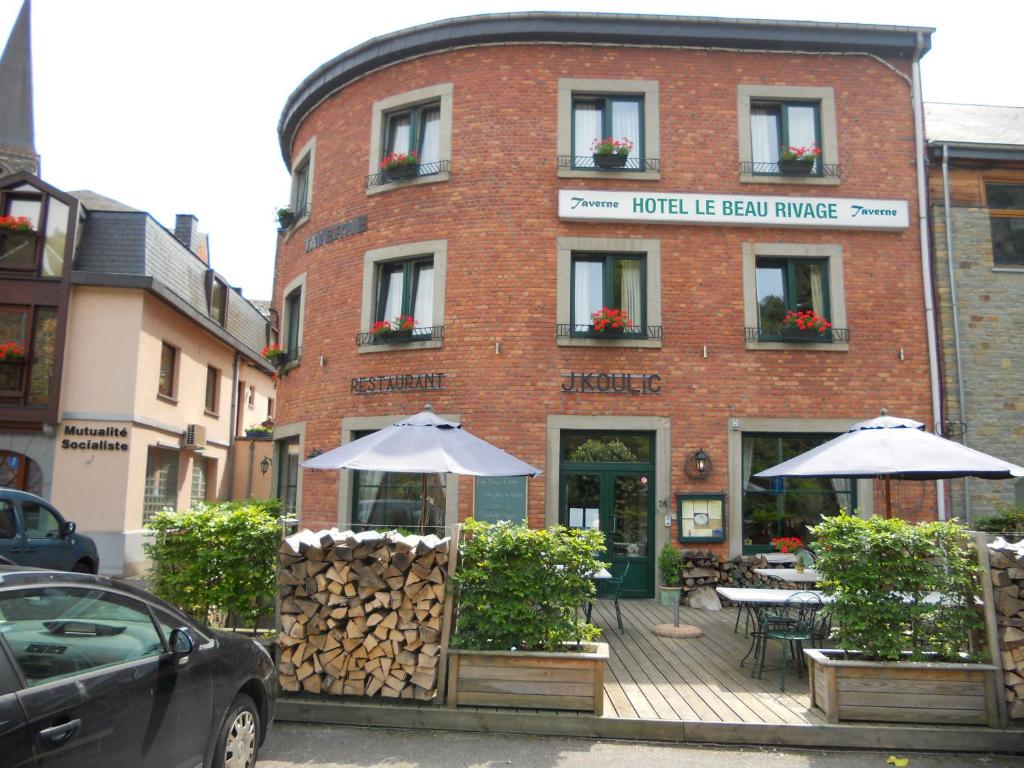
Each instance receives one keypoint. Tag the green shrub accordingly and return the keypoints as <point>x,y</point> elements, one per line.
<point>217,558</point>
<point>880,571</point>
<point>521,588</point>
<point>1009,519</point>
<point>670,563</point>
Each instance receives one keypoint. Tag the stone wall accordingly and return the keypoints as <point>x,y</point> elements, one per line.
<point>1007,573</point>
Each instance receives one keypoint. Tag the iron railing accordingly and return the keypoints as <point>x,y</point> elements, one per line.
<point>829,336</point>
<point>568,330</point>
<point>427,333</point>
<point>773,169</point>
<point>586,163</point>
<point>424,169</point>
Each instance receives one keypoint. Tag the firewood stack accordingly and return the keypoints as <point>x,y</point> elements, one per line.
<point>361,614</point>
<point>1007,574</point>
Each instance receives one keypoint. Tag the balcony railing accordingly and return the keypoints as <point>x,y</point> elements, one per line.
<point>796,336</point>
<point>570,331</point>
<point>772,169</point>
<point>424,169</point>
<point>586,163</point>
<point>428,333</point>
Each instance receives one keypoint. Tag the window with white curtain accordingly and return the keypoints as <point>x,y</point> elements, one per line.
<point>415,130</point>
<point>785,285</point>
<point>608,280</point>
<point>406,289</point>
<point>775,126</point>
<point>599,117</point>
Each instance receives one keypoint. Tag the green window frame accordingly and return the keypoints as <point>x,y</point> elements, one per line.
<point>801,290</point>
<point>292,308</point>
<point>408,130</point>
<point>300,189</point>
<point>614,291</point>
<point>1005,202</point>
<point>410,274</point>
<point>607,106</point>
<point>784,114</point>
<point>778,506</point>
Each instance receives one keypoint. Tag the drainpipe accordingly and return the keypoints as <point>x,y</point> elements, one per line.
<point>961,395</point>
<point>248,478</point>
<point>926,268</point>
<point>231,427</point>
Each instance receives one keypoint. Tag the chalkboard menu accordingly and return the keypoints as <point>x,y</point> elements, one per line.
<point>500,498</point>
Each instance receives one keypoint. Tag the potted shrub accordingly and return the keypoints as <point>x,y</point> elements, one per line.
<point>399,165</point>
<point>901,650</point>
<point>611,153</point>
<point>285,219</point>
<point>670,563</point>
<point>798,161</point>
<point>273,353</point>
<point>392,331</point>
<point>806,325</point>
<point>259,430</point>
<point>611,322</point>
<point>519,637</point>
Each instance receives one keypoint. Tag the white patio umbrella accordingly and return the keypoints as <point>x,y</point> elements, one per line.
<point>424,444</point>
<point>893,448</point>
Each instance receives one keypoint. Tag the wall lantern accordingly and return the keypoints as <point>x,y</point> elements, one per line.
<point>698,465</point>
<point>265,464</point>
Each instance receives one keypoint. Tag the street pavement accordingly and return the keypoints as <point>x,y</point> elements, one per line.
<point>324,746</point>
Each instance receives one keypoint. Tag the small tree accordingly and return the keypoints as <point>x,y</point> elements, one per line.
<point>521,588</point>
<point>881,571</point>
<point>670,563</point>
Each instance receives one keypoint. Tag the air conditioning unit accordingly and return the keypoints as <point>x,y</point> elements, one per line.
<point>195,437</point>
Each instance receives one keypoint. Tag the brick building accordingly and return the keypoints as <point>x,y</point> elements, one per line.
<point>976,181</point>
<point>511,232</point>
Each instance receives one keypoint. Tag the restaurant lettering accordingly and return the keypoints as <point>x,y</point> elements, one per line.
<point>353,226</point>
<point>94,445</point>
<point>402,382</point>
<point>613,383</point>
<point>833,212</point>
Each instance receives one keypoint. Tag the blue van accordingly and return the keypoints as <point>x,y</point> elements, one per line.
<point>35,534</point>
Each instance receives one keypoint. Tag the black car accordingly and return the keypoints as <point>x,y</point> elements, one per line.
<point>94,672</point>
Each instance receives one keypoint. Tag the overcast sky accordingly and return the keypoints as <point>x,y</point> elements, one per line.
<point>172,107</point>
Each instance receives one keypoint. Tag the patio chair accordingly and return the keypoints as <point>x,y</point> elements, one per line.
<point>792,625</point>
<point>611,589</point>
<point>806,556</point>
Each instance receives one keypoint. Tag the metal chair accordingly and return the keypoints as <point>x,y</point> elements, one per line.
<point>792,624</point>
<point>612,590</point>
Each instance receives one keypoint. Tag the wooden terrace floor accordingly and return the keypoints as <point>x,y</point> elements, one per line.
<point>658,678</point>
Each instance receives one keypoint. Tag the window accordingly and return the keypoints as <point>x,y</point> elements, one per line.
<point>786,506</point>
<point>161,481</point>
<point>597,117</point>
<point>294,311</point>
<point>212,389</point>
<point>773,117</point>
<point>168,365</point>
<point>1005,203</point>
<point>775,126</point>
<point>40,522</point>
<point>785,285</point>
<point>8,527</point>
<point>270,408</point>
<point>252,396</point>
<point>406,289</point>
<point>26,376</point>
<point>56,632</point>
<point>199,482</point>
<point>779,277</point>
<point>608,280</point>
<point>417,121</point>
<point>300,189</point>
<point>288,473</point>
<point>39,250</point>
<point>218,300</point>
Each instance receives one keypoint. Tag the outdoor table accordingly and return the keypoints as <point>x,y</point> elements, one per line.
<point>747,597</point>
<point>806,576</point>
<point>779,558</point>
<point>601,574</point>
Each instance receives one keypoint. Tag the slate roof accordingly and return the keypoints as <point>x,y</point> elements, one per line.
<point>974,124</point>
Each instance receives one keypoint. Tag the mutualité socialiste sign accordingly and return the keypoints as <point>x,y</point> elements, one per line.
<point>758,210</point>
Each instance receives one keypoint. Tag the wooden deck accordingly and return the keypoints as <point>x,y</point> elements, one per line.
<point>658,678</point>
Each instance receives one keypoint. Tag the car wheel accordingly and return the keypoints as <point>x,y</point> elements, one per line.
<point>82,566</point>
<point>239,735</point>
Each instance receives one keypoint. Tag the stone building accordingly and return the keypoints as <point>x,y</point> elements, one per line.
<point>976,184</point>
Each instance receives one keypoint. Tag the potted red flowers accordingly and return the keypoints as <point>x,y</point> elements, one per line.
<point>798,161</point>
<point>391,331</point>
<point>15,224</point>
<point>611,153</point>
<point>272,353</point>
<point>807,325</point>
<point>609,321</point>
<point>12,365</point>
<point>399,165</point>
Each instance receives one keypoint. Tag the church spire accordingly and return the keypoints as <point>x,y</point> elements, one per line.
<point>17,131</point>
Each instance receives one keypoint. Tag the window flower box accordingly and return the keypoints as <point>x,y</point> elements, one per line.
<point>805,325</point>
<point>12,374</point>
<point>608,321</point>
<point>798,161</point>
<point>397,331</point>
<point>398,165</point>
<point>273,354</point>
<point>611,153</point>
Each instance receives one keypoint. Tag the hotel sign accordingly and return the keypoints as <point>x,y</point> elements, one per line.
<point>756,210</point>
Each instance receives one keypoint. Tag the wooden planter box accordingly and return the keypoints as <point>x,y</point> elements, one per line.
<point>531,679</point>
<point>902,692</point>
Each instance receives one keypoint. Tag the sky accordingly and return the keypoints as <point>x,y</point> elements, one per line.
<point>172,107</point>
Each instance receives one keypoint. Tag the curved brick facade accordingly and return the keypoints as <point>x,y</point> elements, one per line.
<point>498,217</point>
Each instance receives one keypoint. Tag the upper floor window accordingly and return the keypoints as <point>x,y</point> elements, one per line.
<point>1005,203</point>
<point>218,301</point>
<point>619,118</point>
<point>293,324</point>
<point>406,289</point>
<point>300,188</point>
<point>411,138</point>
<point>27,346</point>
<point>780,130</point>
<point>33,232</point>
<point>212,389</point>
<point>608,294</point>
<point>168,370</point>
<point>415,131</point>
<point>790,287</point>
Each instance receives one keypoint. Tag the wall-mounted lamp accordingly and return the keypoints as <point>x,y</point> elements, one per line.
<point>265,464</point>
<point>314,453</point>
<point>698,465</point>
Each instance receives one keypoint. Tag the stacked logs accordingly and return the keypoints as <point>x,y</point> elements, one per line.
<point>361,614</point>
<point>703,569</point>
<point>1007,572</point>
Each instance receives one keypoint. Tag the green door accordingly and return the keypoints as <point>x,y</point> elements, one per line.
<point>614,494</point>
